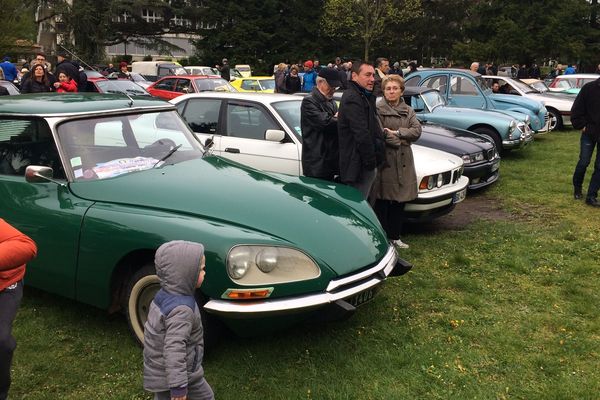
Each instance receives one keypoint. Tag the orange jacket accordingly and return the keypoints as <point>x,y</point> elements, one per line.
<point>15,250</point>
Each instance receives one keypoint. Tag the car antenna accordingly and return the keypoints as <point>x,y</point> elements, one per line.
<point>73,55</point>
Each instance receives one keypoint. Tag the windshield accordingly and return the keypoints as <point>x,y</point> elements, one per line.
<point>121,86</point>
<point>482,83</point>
<point>433,99</point>
<point>289,111</point>
<point>109,146</point>
<point>540,86</point>
<point>521,86</point>
<point>178,71</point>
<point>214,85</point>
<point>267,84</point>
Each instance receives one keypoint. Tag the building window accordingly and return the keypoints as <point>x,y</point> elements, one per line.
<point>150,16</point>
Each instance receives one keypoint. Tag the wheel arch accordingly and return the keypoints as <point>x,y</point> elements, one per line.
<point>122,273</point>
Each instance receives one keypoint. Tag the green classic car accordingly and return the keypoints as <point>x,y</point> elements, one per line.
<point>99,181</point>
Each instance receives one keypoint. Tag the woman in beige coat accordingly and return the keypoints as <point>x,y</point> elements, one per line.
<point>396,181</point>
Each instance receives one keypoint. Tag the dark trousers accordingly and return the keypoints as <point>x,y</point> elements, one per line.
<point>586,150</point>
<point>10,299</point>
<point>390,214</point>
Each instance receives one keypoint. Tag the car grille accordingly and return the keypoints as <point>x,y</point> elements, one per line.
<point>451,177</point>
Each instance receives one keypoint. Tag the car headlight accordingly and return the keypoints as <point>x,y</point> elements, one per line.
<point>266,265</point>
<point>473,158</point>
<point>431,181</point>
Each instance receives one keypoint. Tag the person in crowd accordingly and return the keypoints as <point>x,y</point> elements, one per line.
<point>382,68</point>
<point>225,70</point>
<point>396,182</point>
<point>318,121</point>
<point>474,66</point>
<point>496,87</point>
<point>396,70</point>
<point>65,65</point>
<point>337,63</point>
<point>38,82</point>
<point>40,58</point>
<point>597,70</point>
<point>310,77</point>
<point>123,71</point>
<point>534,71</point>
<point>362,146</point>
<point>412,67</point>
<point>522,73</point>
<point>482,69</point>
<point>493,68</point>
<point>173,332</point>
<point>110,69</point>
<point>317,66</point>
<point>16,249</point>
<point>343,76</point>
<point>65,83</point>
<point>280,76</point>
<point>9,69</point>
<point>292,81</point>
<point>570,70</point>
<point>585,115</point>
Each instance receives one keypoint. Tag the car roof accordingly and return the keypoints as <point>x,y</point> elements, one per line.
<point>265,98</point>
<point>191,77</point>
<point>433,70</point>
<point>55,104</point>
<point>578,76</point>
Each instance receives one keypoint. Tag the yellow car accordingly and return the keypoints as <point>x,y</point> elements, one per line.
<point>265,84</point>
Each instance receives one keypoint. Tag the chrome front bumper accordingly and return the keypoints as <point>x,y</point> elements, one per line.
<point>338,289</point>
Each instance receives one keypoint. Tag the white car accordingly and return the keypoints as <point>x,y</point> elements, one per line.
<point>202,70</point>
<point>263,131</point>
<point>558,105</point>
<point>571,81</point>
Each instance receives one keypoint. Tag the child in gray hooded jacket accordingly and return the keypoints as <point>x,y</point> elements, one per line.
<point>173,334</point>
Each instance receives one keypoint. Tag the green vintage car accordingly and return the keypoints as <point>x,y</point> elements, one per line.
<point>99,181</point>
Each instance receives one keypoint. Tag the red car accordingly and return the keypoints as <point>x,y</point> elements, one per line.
<point>170,87</point>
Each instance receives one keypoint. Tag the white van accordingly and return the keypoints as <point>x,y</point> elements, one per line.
<point>154,70</point>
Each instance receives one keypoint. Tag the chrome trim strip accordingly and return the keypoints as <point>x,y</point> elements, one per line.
<point>263,308</point>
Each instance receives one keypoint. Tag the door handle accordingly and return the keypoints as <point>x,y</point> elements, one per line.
<point>232,150</point>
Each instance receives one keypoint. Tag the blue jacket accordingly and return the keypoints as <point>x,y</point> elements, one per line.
<point>10,71</point>
<point>309,80</point>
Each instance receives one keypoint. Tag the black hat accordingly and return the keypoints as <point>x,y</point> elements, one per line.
<point>62,53</point>
<point>331,76</point>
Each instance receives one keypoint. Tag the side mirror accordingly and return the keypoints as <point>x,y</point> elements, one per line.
<point>40,174</point>
<point>274,135</point>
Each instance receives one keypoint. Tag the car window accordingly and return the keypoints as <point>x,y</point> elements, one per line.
<point>166,84</point>
<point>108,146</point>
<point>267,84</point>
<point>184,86</point>
<point>202,115</point>
<point>248,121</point>
<point>438,82</point>
<point>462,85</point>
<point>25,142</point>
<point>290,112</point>
<point>412,81</point>
<point>250,85</point>
<point>216,85</point>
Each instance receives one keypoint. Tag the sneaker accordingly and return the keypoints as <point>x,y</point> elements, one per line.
<point>592,201</point>
<point>577,193</point>
<point>400,244</point>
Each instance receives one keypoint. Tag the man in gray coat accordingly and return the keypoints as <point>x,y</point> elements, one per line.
<point>173,333</point>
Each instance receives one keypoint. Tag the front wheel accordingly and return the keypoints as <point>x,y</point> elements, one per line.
<point>555,120</point>
<point>142,288</point>
<point>491,135</point>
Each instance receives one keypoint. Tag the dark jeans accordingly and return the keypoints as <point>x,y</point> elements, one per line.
<point>586,150</point>
<point>390,214</point>
<point>10,299</point>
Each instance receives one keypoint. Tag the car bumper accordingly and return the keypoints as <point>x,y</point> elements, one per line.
<point>522,141</point>
<point>347,289</point>
<point>482,175</point>
<point>429,206</point>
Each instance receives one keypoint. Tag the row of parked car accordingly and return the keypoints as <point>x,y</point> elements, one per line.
<point>100,180</point>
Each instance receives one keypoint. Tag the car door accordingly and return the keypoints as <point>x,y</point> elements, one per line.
<point>47,211</point>
<point>464,92</point>
<point>244,141</point>
<point>202,116</point>
<point>165,89</point>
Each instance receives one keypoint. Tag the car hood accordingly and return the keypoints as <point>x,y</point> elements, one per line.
<point>471,114</point>
<point>430,161</point>
<point>331,223</point>
<point>452,140</point>
<point>518,101</point>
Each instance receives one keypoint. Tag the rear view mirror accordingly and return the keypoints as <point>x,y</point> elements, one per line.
<point>274,135</point>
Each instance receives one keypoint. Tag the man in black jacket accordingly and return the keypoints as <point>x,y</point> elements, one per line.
<point>318,120</point>
<point>585,115</point>
<point>362,146</point>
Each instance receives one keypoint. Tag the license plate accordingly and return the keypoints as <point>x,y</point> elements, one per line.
<point>495,166</point>
<point>459,196</point>
<point>362,297</point>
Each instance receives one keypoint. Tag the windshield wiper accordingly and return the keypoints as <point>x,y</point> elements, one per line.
<point>169,154</point>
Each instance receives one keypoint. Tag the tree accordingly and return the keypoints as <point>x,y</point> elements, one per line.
<point>17,26</point>
<point>365,19</point>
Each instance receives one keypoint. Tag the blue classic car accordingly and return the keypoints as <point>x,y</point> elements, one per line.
<point>464,88</point>
<point>503,130</point>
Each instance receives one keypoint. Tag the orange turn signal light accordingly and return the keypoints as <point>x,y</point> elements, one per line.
<point>247,294</point>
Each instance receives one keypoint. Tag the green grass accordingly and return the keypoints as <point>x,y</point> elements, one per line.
<point>505,307</point>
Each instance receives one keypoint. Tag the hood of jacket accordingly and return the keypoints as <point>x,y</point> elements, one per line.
<point>178,266</point>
